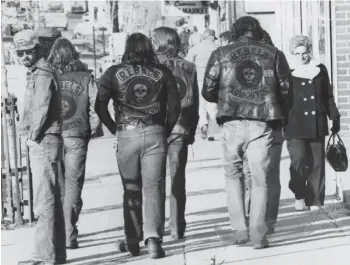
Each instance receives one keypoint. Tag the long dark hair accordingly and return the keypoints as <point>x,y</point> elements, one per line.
<point>266,38</point>
<point>167,38</point>
<point>138,50</point>
<point>247,24</point>
<point>64,58</point>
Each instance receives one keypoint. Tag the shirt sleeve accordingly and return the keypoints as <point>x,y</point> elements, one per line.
<point>44,93</point>
<point>173,101</point>
<point>333,113</point>
<point>194,116</point>
<point>210,90</point>
<point>93,118</point>
<point>104,94</point>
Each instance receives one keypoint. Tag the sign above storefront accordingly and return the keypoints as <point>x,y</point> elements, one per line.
<point>189,7</point>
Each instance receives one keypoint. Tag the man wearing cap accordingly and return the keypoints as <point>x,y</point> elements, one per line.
<point>199,55</point>
<point>41,124</point>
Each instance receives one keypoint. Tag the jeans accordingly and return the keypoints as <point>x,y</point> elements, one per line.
<point>252,139</point>
<point>307,170</point>
<point>49,243</point>
<point>177,153</point>
<point>206,110</point>
<point>73,170</point>
<point>141,156</point>
<point>274,183</point>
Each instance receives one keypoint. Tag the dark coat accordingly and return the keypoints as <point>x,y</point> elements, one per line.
<point>311,100</point>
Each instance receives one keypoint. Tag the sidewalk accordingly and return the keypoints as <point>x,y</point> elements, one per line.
<point>320,238</point>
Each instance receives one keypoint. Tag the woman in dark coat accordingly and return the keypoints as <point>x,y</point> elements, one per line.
<point>311,101</point>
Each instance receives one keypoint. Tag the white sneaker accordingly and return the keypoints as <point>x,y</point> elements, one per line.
<point>315,208</point>
<point>299,205</point>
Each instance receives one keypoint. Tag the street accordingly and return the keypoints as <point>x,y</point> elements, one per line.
<point>321,238</point>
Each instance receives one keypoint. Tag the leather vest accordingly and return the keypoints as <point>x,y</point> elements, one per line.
<point>185,76</point>
<point>75,103</point>
<point>246,75</point>
<point>139,94</point>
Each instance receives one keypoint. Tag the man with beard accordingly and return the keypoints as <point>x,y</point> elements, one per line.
<point>166,42</point>
<point>249,80</point>
<point>42,125</point>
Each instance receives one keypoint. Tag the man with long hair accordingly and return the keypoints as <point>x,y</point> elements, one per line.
<point>249,80</point>
<point>147,106</point>
<point>41,124</point>
<point>80,123</point>
<point>274,183</point>
<point>167,44</point>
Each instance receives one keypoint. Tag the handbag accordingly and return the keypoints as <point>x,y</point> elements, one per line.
<point>336,154</point>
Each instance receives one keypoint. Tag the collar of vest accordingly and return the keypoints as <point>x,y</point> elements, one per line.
<point>309,71</point>
<point>170,53</point>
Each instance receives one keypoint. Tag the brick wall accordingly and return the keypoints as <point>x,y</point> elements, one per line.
<point>342,60</point>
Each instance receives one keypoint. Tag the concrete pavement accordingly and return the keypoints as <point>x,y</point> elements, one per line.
<point>301,237</point>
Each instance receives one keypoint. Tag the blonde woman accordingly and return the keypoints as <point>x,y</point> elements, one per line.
<point>311,101</point>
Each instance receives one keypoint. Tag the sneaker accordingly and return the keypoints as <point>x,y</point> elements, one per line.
<point>299,204</point>
<point>315,208</point>
<point>210,139</point>
<point>204,131</point>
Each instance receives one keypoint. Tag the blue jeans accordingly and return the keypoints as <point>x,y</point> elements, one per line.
<point>49,243</point>
<point>73,170</point>
<point>177,153</point>
<point>274,182</point>
<point>141,156</point>
<point>252,139</point>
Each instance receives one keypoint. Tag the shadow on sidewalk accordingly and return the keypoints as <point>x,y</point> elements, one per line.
<point>216,233</point>
<point>120,228</point>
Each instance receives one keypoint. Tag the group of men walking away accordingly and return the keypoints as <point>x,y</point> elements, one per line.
<point>158,98</point>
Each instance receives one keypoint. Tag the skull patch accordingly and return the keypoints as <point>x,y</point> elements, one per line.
<point>140,91</point>
<point>249,74</point>
<point>65,108</point>
<point>68,105</point>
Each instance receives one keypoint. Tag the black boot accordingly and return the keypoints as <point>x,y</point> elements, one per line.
<point>155,249</point>
<point>134,249</point>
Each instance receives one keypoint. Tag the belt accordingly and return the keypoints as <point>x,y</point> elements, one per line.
<point>133,126</point>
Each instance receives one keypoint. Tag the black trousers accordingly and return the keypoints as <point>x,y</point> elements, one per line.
<point>307,170</point>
